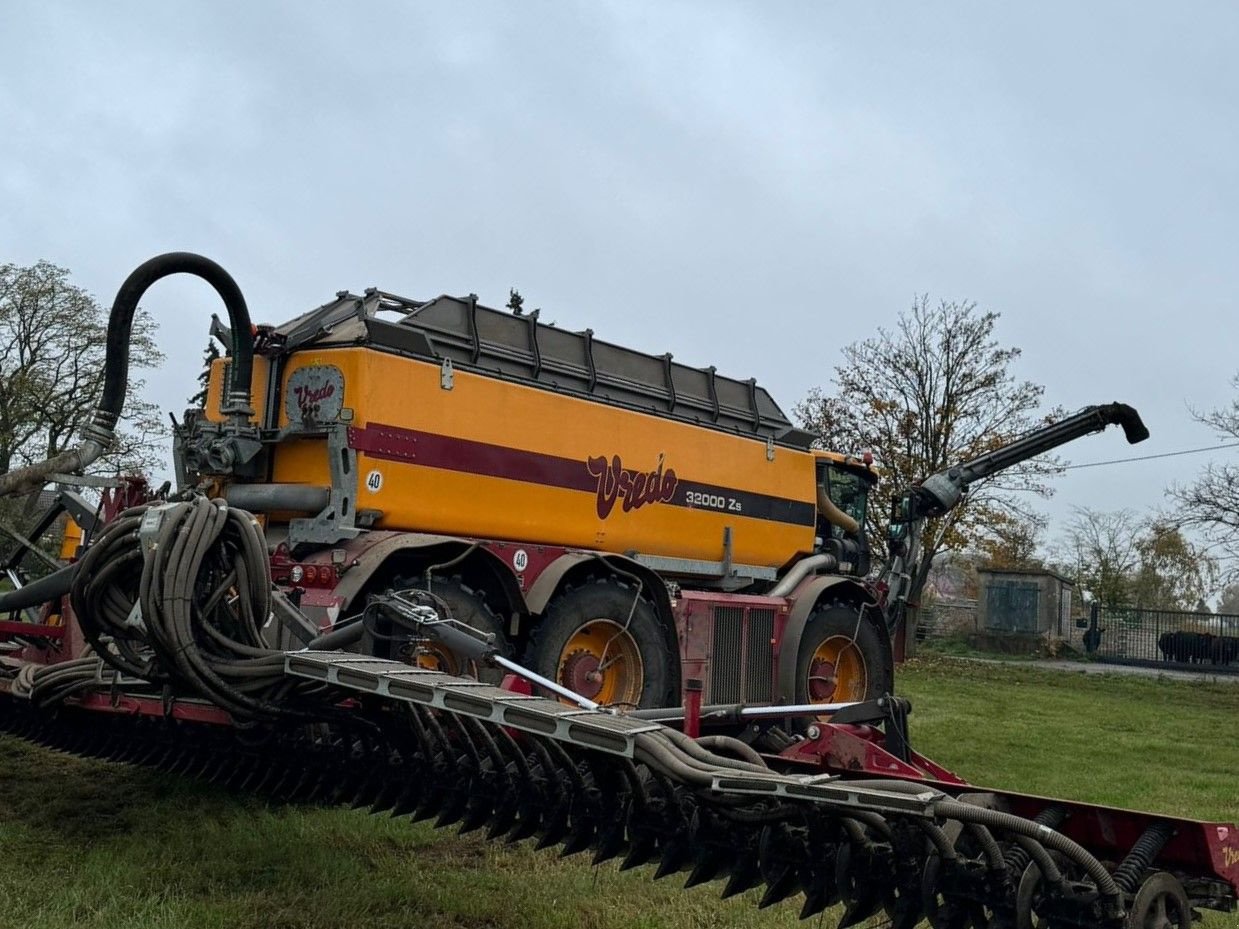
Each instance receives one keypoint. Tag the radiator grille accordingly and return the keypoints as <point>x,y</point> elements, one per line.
<point>759,658</point>
<point>725,660</point>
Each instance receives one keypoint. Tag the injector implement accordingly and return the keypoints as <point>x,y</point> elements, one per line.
<point>439,561</point>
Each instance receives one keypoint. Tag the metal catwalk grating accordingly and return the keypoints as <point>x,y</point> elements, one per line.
<point>603,731</point>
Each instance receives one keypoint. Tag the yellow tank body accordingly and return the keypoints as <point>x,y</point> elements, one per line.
<point>215,388</point>
<point>485,456</point>
<point>71,540</point>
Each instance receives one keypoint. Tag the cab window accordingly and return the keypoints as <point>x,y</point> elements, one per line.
<point>848,491</point>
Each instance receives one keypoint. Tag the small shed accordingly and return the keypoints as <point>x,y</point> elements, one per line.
<point>1031,602</point>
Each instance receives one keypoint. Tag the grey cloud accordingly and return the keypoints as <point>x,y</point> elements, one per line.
<point>748,185</point>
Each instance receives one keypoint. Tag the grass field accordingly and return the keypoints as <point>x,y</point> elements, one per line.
<point>94,845</point>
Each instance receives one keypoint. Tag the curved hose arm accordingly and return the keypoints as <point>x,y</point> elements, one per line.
<point>940,492</point>
<point>120,325</point>
<point>906,570</point>
<point>99,433</point>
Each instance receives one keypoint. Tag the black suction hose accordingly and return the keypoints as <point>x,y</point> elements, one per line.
<point>1134,429</point>
<point>99,433</point>
<point>36,593</point>
<point>120,323</point>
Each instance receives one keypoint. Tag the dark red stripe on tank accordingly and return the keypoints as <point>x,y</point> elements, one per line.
<point>452,453</point>
<point>456,454</point>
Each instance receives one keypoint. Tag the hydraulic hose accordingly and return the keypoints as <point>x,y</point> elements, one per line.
<point>99,433</point>
<point>984,837</point>
<point>1056,841</point>
<point>937,835</point>
<point>727,744</point>
<point>989,845</point>
<point>1017,856</point>
<point>699,752</point>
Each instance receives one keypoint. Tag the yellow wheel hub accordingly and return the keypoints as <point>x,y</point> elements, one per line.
<point>434,657</point>
<point>837,672</point>
<point>601,661</point>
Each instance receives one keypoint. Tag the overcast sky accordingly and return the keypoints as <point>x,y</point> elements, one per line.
<point>746,185</point>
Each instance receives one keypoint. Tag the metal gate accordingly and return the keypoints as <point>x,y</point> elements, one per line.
<point>1164,638</point>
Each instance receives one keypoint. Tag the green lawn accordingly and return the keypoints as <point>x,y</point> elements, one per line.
<point>1169,746</point>
<point>93,845</point>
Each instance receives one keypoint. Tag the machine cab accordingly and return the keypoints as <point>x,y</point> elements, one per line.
<point>843,485</point>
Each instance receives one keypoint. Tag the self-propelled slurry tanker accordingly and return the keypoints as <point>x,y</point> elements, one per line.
<point>619,520</point>
<point>458,563</point>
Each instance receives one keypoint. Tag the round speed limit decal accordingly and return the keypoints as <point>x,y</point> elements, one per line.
<point>374,481</point>
<point>520,559</point>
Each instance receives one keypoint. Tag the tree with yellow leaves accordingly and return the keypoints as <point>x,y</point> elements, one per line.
<point>936,390</point>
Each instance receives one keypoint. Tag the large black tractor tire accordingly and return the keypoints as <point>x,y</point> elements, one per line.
<point>606,642</point>
<point>843,657</point>
<point>465,605</point>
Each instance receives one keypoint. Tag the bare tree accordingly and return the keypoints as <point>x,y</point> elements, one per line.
<point>1101,551</point>
<point>1121,559</point>
<point>935,391</point>
<point>1210,504</point>
<point>52,346</point>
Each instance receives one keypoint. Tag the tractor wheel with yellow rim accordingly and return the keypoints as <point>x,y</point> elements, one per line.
<point>843,657</point>
<point>605,642</point>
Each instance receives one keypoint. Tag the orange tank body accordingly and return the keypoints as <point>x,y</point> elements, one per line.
<point>492,459</point>
<point>478,423</point>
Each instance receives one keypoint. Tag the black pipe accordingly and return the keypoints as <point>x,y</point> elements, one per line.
<point>120,324</point>
<point>339,638</point>
<point>36,593</point>
<point>268,498</point>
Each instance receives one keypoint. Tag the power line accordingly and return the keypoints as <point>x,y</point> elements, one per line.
<point>1186,451</point>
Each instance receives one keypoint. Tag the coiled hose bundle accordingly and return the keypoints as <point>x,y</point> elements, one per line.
<point>177,594</point>
<point>48,685</point>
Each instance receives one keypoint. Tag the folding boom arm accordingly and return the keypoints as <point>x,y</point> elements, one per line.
<point>941,492</point>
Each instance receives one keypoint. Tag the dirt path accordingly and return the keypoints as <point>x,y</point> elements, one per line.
<point>1097,667</point>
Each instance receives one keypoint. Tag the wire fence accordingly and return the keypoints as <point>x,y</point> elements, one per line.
<point>1166,638</point>
<point>1172,639</point>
